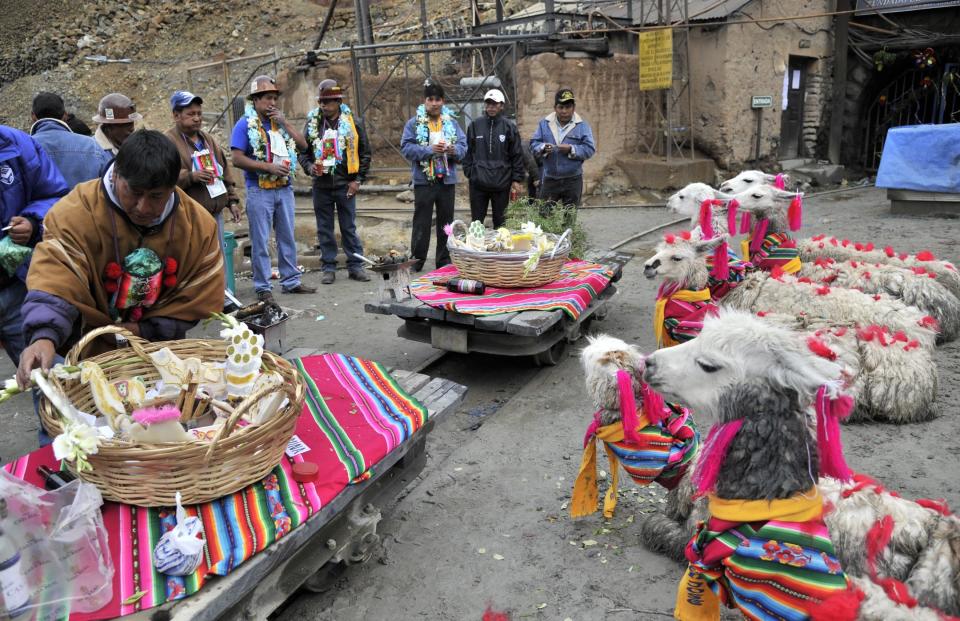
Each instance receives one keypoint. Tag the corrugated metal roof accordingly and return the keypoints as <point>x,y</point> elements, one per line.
<point>700,10</point>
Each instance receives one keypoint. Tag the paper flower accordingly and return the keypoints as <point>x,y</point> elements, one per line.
<point>448,229</point>
<point>76,443</point>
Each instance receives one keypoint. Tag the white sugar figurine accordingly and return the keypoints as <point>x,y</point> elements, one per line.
<point>244,353</point>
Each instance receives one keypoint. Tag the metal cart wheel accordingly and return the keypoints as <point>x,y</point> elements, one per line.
<point>551,356</point>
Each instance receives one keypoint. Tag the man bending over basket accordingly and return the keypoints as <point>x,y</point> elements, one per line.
<point>131,249</point>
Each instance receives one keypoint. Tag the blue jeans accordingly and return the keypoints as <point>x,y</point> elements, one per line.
<point>324,203</point>
<point>266,210</point>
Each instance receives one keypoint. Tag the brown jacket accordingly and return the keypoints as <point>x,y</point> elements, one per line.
<point>198,191</point>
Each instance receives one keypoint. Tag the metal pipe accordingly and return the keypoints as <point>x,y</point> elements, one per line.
<point>423,36</point>
<point>357,81</point>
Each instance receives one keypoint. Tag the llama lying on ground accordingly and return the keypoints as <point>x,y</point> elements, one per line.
<point>812,248</point>
<point>915,286</point>
<point>893,378</point>
<point>740,361</point>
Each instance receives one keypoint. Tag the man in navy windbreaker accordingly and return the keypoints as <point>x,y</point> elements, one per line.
<point>29,185</point>
<point>564,141</point>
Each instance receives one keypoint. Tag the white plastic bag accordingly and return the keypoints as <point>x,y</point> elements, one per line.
<point>180,549</point>
<point>64,559</point>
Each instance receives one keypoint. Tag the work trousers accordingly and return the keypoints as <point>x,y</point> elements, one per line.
<point>425,197</point>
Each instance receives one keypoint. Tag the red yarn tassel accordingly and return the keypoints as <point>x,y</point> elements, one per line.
<point>706,219</point>
<point>714,452</point>
<point>746,223</point>
<point>843,606</point>
<point>732,207</point>
<point>721,262</point>
<point>653,405</point>
<point>495,615</point>
<point>759,232</point>
<point>829,414</point>
<point>795,213</point>
<point>628,407</point>
<point>779,182</point>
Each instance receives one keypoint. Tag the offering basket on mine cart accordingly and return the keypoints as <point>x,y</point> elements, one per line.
<point>150,475</point>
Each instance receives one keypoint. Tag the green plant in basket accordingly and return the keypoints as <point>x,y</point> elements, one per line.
<point>551,217</point>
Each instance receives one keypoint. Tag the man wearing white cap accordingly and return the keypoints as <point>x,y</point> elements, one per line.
<point>494,161</point>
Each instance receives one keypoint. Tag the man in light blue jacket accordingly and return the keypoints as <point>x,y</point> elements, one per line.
<point>564,141</point>
<point>78,158</point>
<point>433,143</point>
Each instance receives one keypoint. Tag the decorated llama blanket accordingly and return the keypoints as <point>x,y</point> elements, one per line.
<point>776,250</point>
<point>678,314</point>
<point>355,413</point>
<point>579,283</point>
<point>663,453</point>
<point>771,559</point>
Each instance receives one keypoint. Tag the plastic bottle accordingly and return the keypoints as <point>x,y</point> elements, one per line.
<point>465,285</point>
<point>16,593</point>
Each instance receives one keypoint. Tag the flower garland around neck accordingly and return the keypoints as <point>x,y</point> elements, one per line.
<point>315,136</point>
<point>449,129</point>
<point>256,134</point>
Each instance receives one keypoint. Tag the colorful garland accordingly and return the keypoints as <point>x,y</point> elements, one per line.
<point>254,133</point>
<point>449,130</point>
<point>315,137</point>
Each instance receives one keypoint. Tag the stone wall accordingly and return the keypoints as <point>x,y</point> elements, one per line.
<point>732,62</point>
<point>606,92</point>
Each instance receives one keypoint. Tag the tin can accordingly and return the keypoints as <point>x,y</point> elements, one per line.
<point>464,285</point>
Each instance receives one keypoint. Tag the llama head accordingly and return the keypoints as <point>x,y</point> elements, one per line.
<point>767,202</point>
<point>602,358</point>
<point>682,259</point>
<point>748,180</point>
<point>733,350</point>
<point>686,201</point>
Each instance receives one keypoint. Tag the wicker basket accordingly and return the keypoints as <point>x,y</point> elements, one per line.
<point>505,269</point>
<point>150,475</point>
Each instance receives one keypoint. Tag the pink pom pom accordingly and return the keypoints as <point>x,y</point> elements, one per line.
<point>653,406</point>
<point>779,182</point>
<point>706,219</point>
<point>829,414</point>
<point>795,213</point>
<point>628,408</point>
<point>732,207</point>
<point>715,449</point>
<point>759,232</point>
<point>150,416</point>
<point>746,223</point>
<point>721,262</point>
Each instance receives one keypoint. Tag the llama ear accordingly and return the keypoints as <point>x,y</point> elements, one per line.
<point>723,195</point>
<point>784,195</point>
<point>801,370</point>
<point>707,245</point>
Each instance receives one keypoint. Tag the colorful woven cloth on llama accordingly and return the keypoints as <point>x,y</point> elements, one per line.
<point>663,455</point>
<point>678,314</point>
<point>776,250</point>
<point>355,413</point>
<point>737,270</point>
<point>577,285</point>
<point>772,560</point>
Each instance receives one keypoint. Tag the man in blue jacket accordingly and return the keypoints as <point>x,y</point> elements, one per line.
<point>78,158</point>
<point>29,185</point>
<point>433,143</point>
<point>564,141</point>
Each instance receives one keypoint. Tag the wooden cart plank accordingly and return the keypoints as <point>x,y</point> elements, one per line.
<point>460,319</point>
<point>377,308</point>
<point>494,323</point>
<point>533,323</point>
<point>406,308</point>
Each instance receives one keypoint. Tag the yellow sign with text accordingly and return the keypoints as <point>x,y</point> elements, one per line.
<point>656,59</point>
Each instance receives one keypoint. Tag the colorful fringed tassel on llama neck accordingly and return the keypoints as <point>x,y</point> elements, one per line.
<point>714,452</point>
<point>746,223</point>
<point>759,232</point>
<point>795,213</point>
<point>652,404</point>
<point>779,182</point>
<point>628,407</point>
<point>721,262</point>
<point>706,219</point>
<point>732,207</point>
<point>830,412</point>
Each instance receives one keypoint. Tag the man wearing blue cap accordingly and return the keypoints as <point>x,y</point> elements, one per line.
<point>205,172</point>
<point>564,141</point>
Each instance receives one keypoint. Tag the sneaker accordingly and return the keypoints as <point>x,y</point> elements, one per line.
<point>301,288</point>
<point>265,296</point>
<point>328,278</point>
<point>359,274</point>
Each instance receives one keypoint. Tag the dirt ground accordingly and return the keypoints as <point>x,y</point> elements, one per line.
<point>486,524</point>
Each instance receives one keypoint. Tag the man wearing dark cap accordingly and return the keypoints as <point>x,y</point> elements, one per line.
<point>433,143</point>
<point>79,158</point>
<point>264,146</point>
<point>205,172</point>
<point>494,162</point>
<point>338,158</point>
<point>116,116</point>
<point>563,141</point>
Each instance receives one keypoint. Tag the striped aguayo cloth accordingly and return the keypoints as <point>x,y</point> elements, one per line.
<point>776,250</point>
<point>355,413</point>
<point>577,285</point>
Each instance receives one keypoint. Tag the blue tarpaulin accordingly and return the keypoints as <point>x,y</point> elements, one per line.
<point>921,157</point>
